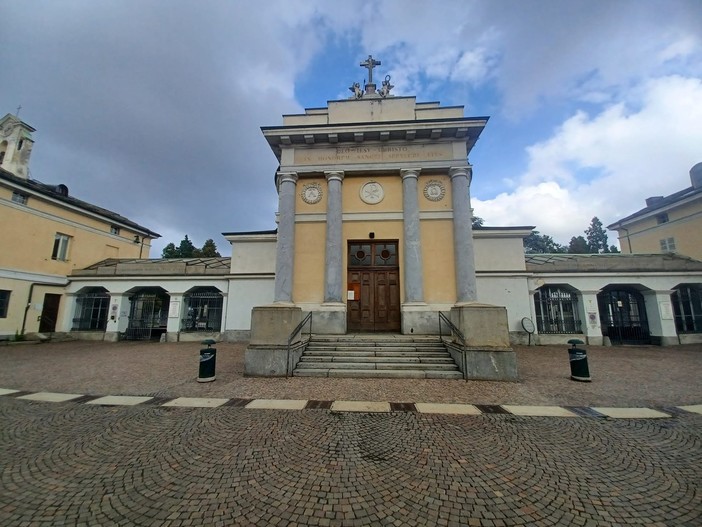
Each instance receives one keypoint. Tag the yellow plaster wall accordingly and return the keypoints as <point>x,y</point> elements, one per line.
<point>438,261</point>
<point>684,225</point>
<point>392,187</point>
<point>308,271</point>
<point>32,237</point>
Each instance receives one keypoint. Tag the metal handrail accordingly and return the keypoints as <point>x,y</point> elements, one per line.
<point>298,329</point>
<point>461,338</point>
<point>452,327</point>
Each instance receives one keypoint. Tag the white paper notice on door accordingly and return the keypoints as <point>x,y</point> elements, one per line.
<point>350,295</point>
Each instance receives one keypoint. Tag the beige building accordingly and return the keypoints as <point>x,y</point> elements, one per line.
<point>668,224</point>
<point>45,234</point>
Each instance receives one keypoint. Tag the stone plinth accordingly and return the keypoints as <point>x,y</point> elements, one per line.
<point>487,354</point>
<point>267,352</point>
<point>482,324</point>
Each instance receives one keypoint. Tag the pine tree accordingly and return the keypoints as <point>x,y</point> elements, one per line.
<point>596,237</point>
<point>578,245</point>
<point>209,249</point>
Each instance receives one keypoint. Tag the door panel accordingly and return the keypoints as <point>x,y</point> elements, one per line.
<point>49,313</point>
<point>376,302</point>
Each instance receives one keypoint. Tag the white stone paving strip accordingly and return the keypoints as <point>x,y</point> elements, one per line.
<point>195,402</point>
<point>695,408</point>
<point>447,408</point>
<point>360,406</point>
<point>5,391</point>
<point>277,404</point>
<point>120,400</point>
<point>539,411</point>
<point>50,397</point>
<point>630,413</point>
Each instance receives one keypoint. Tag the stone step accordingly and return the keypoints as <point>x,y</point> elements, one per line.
<point>375,366</point>
<point>390,374</point>
<point>399,360</point>
<point>374,346</point>
<point>383,353</point>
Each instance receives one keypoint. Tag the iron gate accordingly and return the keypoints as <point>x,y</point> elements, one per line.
<point>623,316</point>
<point>148,315</point>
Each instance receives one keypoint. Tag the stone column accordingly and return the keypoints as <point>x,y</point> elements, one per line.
<point>333,260</point>
<point>466,290</point>
<point>661,319</point>
<point>285,248</point>
<point>414,279</point>
<point>590,317</point>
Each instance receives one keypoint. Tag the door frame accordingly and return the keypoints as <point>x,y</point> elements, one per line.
<point>356,287</point>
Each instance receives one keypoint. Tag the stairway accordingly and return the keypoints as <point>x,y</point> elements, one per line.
<point>377,355</point>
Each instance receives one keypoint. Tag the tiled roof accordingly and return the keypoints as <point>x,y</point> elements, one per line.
<point>661,203</point>
<point>594,263</point>
<point>53,192</point>
<point>157,267</point>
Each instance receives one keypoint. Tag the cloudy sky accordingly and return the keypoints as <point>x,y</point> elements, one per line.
<point>153,108</point>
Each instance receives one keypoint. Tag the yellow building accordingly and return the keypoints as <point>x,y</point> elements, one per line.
<point>45,234</point>
<point>668,224</point>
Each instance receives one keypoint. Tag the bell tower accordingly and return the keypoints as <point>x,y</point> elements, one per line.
<point>15,145</point>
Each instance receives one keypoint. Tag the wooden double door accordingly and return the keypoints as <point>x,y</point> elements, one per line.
<point>373,298</point>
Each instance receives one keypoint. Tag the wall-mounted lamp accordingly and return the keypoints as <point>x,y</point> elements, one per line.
<point>136,239</point>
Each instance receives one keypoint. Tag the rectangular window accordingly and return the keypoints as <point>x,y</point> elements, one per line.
<point>668,245</point>
<point>4,302</point>
<point>662,218</point>
<point>60,251</point>
<point>114,230</point>
<point>20,198</point>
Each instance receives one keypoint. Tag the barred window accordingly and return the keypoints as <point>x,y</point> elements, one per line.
<point>92,306</point>
<point>20,198</point>
<point>556,310</point>
<point>687,306</point>
<point>203,310</point>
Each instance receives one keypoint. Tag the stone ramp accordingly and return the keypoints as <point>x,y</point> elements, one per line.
<point>383,356</point>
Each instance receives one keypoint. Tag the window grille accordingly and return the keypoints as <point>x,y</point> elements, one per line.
<point>114,230</point>
<point>91,311</point>
<point>556,311</point>
<point>4,302</point>
<point>662,218</point>
<point>687,306</point>
<point>203,310</point>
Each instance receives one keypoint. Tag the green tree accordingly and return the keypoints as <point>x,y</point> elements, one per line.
<point>209,249</point>
<point>541,243</point>
<point>578,245</point>
<point>596,237</point>
<point>477,221</point>
<point>170,251</point>
<point>186,249</point>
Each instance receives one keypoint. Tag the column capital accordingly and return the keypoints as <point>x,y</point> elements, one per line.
<point>332,175</point>
<point>410,173</point>
<point>455,172</point>
<point>282,177</point>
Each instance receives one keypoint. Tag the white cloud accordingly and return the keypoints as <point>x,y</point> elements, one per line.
<point>607,164</point>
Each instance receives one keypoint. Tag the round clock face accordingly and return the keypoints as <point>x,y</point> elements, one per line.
<point>312,193</point>
<point>7,130</point>
<point>372,193</point>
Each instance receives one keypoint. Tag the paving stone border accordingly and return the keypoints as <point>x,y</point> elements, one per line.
<point>359,406</point>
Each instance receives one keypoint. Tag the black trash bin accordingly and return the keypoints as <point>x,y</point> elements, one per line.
<point>208,361</point>
<point>578,362</point>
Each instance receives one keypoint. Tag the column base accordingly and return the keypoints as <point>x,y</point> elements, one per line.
<point>267,352</point>
<point>483,325</point>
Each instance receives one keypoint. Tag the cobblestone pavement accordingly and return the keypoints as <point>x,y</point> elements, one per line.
<point>76,464</point>
<point>72,463</point>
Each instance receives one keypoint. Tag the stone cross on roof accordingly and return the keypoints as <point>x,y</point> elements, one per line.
<point>370,63</point>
